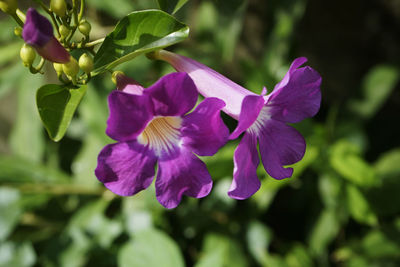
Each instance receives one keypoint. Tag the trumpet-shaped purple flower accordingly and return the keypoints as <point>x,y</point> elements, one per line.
<point>38,33</point>
<point>153,125</point>
<point>262,118</point>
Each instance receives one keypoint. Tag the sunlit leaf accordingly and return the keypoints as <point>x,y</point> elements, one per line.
<point>377,86</point>
<point>138,33</point>
<point>359,207</point>
<point>324,231</point>
<point>10,210</point>
<point>26,138</point>
<point>150,248</point>
<point>57,105</point>
<point>258,239</point>
<point>345,159</point>
<point>220,251</point>
<point>17,255</point>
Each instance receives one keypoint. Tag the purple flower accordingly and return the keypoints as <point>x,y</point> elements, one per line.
<point>153,125</point>
<point>38,33</point>
<point>262,118</point>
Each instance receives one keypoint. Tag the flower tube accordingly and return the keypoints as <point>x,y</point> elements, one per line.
<point>262,118</point>
<point>153,125</point>
<point>38,33</point>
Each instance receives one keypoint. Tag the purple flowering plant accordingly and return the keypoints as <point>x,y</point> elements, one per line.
<point>162,126</point>
<point>155,125</point>
<point>262,118</point>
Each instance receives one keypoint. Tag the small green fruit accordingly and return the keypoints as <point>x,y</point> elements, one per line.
<point>59,7</point>
<point>58,68</point>
<point>86,63</point>
<point>84,27</point>
<point>64,31</point>
<point>18,31</point>
<point>27,54</point>
<point>71,68</point>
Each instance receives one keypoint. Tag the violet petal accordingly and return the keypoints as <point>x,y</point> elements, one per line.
<point>300,98</point>
<point>129,115</point>
<point>251,107</point>
<point>203,130</point>
<point>280,145</point>
<point>125,168</point>
<point>37,29</point>
<point>173,95</point>
<point>245,181</point>
<point>182,175</point>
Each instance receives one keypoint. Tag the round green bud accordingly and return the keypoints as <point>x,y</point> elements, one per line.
<point>18,31</point>
<point>27,54</point>
<point>8,6</point>
<point>58,68</point>
<point>71,68</point>
<point>84,27</point>
<point>64,31</point>
<point>86,63</point>
<point>59,7</point>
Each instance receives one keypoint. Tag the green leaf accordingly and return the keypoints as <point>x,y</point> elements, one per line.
<point>388,165</point>
<point>220,251</point>
<point>17,255</point>
<point>9,211</point>
<point>150,248</point>
<point>57,105</point>
<point>324,231</point>
<point>139,32</point>
<point>171,6</point>
<point>377,86</point>
<point>359,207</point>
<point>346,161</point>
<point>258,239</point>
<point>378,245</point>
<point>27,131</point>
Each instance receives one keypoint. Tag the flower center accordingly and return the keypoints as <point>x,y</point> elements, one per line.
<point>262,118</point>
<point>161,134</point>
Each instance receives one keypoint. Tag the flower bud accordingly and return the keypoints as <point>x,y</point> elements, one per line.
<point>8,6</point>
<point>59,7</point>
<point>58,68</point>
<point>86,63</point>
<point>84,27</point>
<point>64,31</point>
<point>18,31</point>
<point>27,54</point>
<point>38,32</point>
<point>71,68</point>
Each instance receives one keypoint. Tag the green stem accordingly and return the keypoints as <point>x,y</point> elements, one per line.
<point>95,42</point>
<point>21,15</point>
<point>18,20</point>
<point>81,10</point>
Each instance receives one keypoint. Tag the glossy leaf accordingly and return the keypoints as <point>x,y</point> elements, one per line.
<point>138,33</point>
<point>57,105</point>
<point>150,248</point>
<point>171,6</point>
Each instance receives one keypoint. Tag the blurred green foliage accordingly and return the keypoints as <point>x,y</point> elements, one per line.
<point>341,208</point>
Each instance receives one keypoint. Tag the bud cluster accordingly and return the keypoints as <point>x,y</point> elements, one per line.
<point>37,32</point>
